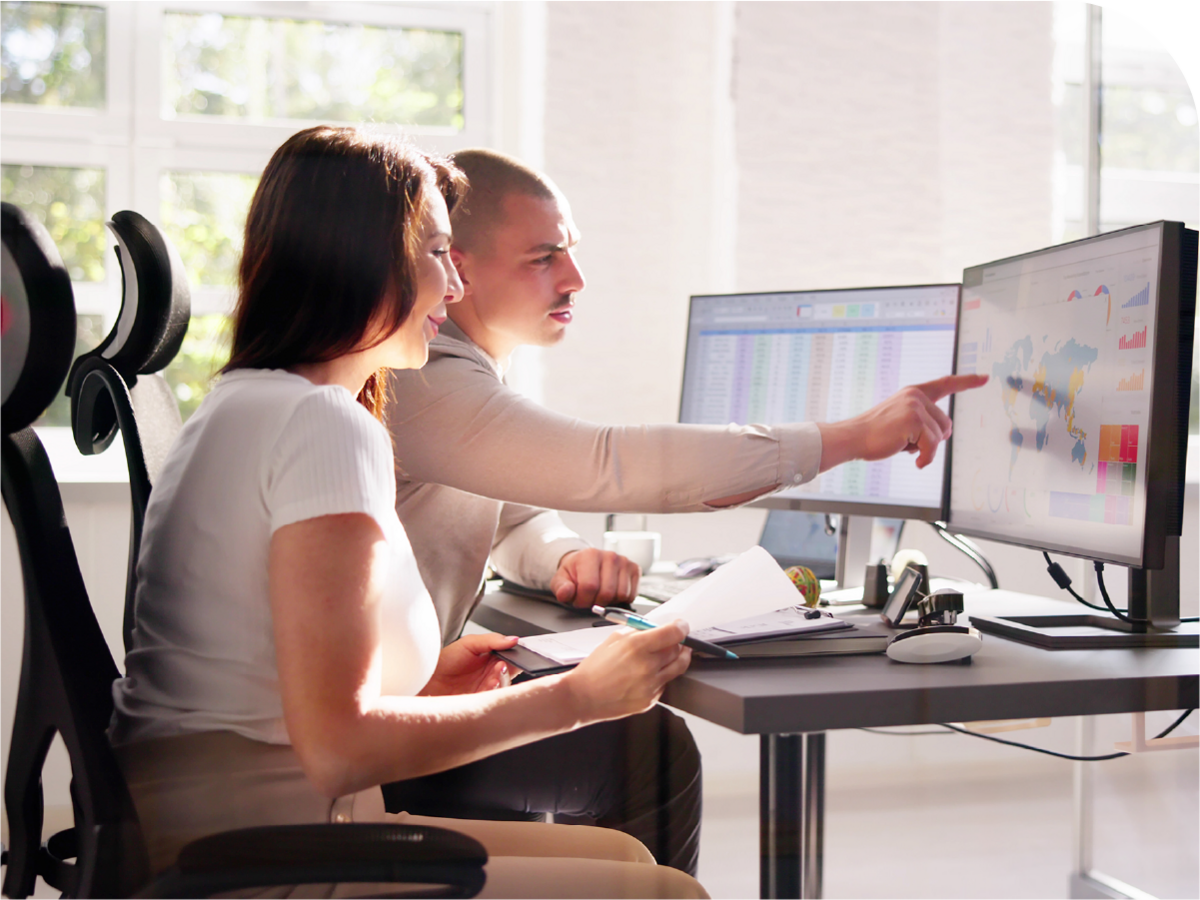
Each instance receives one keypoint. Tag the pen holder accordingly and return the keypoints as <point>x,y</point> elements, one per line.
<point>875,586</point>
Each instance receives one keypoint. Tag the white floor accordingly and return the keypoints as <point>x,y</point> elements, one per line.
<point>939,817</point>
<point>949,816</point>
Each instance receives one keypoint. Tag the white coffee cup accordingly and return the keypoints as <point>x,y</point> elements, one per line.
<point>640,546</point>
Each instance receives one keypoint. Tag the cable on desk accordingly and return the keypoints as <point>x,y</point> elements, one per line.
<point>884,731</point>
<point>1119,613</point>
<point>1107,756</point>
<point>988,737</point>
<point>1063,580</point>
<point>968,548</point>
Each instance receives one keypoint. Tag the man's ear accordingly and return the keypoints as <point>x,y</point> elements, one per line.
<point>462,262</point>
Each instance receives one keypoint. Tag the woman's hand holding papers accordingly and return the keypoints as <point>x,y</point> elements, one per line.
<point>468,667</point>
<point>627,673</point>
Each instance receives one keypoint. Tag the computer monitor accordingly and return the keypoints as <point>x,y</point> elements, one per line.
<point>1077,445</point>
<point>827,355</point>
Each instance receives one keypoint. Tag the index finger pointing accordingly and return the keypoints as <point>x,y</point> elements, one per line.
<point>951,384</point>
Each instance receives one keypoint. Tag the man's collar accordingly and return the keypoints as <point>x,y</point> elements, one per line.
<point>452,331</point>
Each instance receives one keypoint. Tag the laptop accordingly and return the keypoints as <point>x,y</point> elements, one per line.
<point>793,538</point>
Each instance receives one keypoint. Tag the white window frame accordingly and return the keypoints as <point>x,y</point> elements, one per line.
<point>1140,195</point>
<point>136,145</point>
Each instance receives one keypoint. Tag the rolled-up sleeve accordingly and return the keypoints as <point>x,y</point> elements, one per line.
<point>455,423</point>
<point>530,542</point>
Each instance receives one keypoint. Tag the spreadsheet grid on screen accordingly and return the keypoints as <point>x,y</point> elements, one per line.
<point>775,358</point>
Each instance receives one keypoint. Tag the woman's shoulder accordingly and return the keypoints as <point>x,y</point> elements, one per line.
<point>288,413</point>
<point>291,397</point>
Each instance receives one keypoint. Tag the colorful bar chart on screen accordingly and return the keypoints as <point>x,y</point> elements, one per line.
<point>1141,298</point>
<point>1135,341</point>
<point>1133,382</point>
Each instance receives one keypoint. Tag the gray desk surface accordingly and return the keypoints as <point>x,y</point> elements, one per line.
<point>1004,680</point>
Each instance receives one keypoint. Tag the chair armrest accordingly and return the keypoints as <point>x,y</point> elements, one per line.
<point>449,862</point>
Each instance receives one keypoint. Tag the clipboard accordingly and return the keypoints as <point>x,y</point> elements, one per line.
<point>532,664</point>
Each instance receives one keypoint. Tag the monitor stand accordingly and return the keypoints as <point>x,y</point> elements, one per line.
<point>1153,598</point>
<point>853,549</point>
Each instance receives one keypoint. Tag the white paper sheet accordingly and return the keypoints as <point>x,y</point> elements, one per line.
<point>748,585</point>
<point>568,647</point>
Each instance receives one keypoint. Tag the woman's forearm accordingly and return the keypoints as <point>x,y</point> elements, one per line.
<point>327,578</point>
<point>395,738</point>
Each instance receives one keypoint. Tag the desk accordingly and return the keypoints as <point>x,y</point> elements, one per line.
<point>791,703</point>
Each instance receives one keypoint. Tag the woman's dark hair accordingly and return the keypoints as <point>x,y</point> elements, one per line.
<point>329,260</point>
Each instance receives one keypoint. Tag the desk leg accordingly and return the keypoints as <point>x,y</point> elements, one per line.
<point>791,814</point>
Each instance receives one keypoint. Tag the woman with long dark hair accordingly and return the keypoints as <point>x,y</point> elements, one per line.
<point>286,658</point>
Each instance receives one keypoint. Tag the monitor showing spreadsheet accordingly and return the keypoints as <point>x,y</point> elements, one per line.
<point>812,356</point>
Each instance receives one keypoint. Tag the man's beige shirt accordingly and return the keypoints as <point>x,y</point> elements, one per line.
<point>477,465</point>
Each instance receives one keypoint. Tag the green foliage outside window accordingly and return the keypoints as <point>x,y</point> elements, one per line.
<point>52,54</point>
<point>89,332</point>
<point>259,68</point>
<point>205,350</point>
<point>204,215</point>
<point>1149,128</point>
<point>70,203</point>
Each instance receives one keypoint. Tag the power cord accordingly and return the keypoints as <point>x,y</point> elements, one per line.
<point>969,548</point>
<point>987,737</point>
<point>1063,580</point>
<point>1119,613</point>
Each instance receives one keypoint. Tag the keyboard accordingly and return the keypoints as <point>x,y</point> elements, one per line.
<point>660,588</point>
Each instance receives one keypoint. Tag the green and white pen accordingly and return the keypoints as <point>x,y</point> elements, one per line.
<point>633,620</point>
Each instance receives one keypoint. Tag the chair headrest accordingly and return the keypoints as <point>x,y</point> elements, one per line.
<point>37,319</point>
<point>156,303</point>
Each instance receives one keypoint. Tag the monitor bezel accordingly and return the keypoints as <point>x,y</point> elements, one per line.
<point>844,507</point>
<point>1165,459</point>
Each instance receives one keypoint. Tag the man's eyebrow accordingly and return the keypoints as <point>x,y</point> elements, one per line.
<point>560,247</point>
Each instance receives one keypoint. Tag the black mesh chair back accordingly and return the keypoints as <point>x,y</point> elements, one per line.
<point>66,668</point>
<point>67,675</point>
<point>118,386</point>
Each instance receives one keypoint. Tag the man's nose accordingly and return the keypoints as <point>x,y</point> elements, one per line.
<point>572,280</point>
<point>454,285</point>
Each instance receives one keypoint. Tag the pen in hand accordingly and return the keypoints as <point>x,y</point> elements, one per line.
<point>633,620</point>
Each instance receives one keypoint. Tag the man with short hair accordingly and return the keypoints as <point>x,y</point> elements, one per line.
<point>462,437</point>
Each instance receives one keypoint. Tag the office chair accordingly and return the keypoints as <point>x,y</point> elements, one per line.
<point>67,674</point>
<point>118,386</point>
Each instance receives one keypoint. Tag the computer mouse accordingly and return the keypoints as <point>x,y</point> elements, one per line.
<point>693,568</point>
<point>935,644</point>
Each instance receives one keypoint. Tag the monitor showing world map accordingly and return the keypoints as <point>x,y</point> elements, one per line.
<point>1053,452</point>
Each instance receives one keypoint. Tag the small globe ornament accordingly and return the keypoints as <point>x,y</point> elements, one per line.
<point>806,583</point>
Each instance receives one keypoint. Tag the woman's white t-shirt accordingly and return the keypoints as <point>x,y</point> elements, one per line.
<point>265,449</point>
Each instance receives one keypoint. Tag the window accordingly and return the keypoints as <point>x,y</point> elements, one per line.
<point>1149,135</point>
<point>259,69</point>
<point>172,111</point>
<point>53,55</point>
